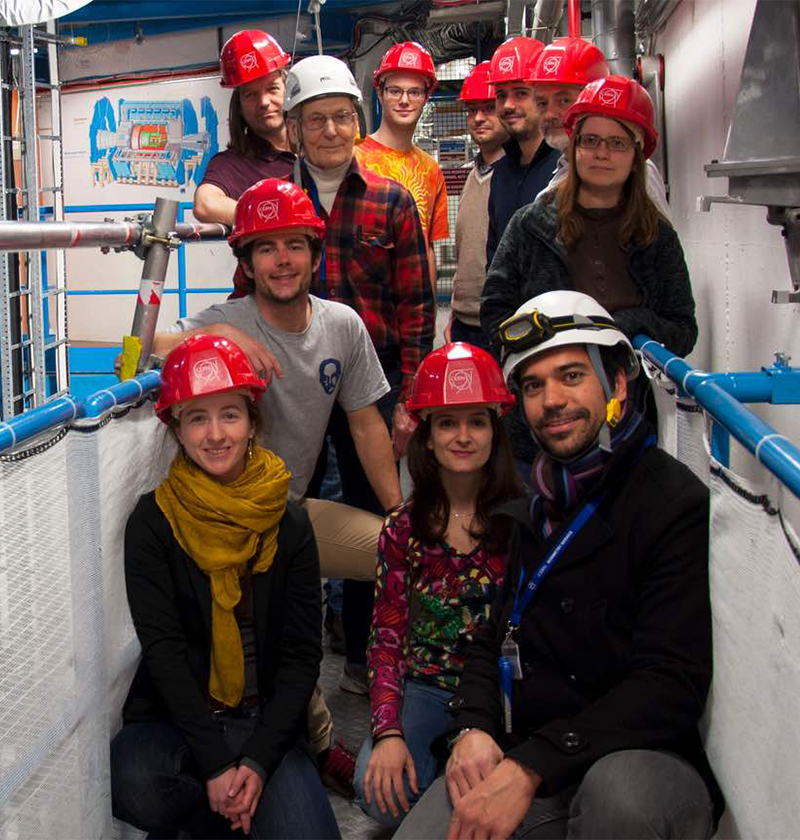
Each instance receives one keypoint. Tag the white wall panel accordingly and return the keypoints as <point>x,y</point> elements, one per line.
<point>735,258</point>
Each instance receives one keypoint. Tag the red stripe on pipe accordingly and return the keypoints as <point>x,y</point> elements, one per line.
<point>574,18</point>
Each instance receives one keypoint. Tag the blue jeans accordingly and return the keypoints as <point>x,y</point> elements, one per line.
<point>627,794</point>
<point>423,718</point>
<point>156,786</point>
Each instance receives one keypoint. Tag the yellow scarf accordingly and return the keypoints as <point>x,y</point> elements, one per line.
<point>221,527</point>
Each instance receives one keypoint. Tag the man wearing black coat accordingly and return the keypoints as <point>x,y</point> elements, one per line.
<point>577,712</point>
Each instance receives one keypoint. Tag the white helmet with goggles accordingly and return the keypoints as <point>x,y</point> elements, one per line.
<point>558,319</point>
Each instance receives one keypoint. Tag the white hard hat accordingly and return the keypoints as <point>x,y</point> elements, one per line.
<point>555,319</point>
<point>319,75</point>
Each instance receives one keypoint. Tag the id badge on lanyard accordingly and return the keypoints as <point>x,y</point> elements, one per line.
<point>508,662</point>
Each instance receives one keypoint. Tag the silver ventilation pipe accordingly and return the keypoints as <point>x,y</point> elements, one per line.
<point>546,17</point>
<point>652,15</point>
<point>613,28</point>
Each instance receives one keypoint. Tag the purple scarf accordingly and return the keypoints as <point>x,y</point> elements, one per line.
<point>559,487</point>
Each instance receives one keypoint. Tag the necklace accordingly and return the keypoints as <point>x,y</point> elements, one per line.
<point>457,515</point>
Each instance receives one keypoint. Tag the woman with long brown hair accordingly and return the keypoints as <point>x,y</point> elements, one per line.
<point>439,564</point>
<point>598,232</point>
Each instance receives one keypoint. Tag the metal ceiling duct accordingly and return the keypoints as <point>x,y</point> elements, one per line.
<point>546,17</point>
<point>613,27</point>
<point>651,15</point>
<point>515,17</point>
<point>762,153</point>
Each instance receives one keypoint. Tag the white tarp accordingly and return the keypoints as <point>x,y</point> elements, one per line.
<point>753,738</point>
<point>67,644</point>
<point>24,12</point>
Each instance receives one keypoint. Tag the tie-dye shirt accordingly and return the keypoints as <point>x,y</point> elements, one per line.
<point>429,600</point>
<point>419,173</point>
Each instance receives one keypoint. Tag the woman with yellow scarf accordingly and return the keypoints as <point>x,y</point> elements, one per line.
<point>222,575</point>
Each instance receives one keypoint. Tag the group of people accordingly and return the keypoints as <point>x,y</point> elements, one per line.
<point>532,623</point>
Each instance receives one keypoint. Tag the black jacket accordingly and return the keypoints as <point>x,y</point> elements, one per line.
<point>616,646</point>
<point>530,261</point>
<point>170,602</point>
<point>513,186</point>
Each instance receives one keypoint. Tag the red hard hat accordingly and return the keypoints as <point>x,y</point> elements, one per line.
<point>458,374</point>
<point>248,55</point>
<point>570,61</point>
<point>201,365</point>
<point>514,60</point>
<point>273,204</point>
<point>619,98</point>
<point>477,86</point>
<point>407,57</point>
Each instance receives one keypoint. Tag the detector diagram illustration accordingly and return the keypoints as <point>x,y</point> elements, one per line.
<point>151,143</point>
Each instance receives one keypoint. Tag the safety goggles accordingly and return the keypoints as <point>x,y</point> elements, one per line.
<point>521,332</point>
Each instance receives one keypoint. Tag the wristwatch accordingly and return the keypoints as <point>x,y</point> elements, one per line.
<point>457,736</point>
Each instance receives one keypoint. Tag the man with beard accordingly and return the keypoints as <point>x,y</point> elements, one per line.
<point>577,711</point>
<point>529,162</point>
<point>319,350</point>
<point>472,221</point>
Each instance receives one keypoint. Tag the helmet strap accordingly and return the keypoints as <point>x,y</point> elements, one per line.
<point>613,405</point>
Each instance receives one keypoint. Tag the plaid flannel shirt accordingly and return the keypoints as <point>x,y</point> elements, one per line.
<point>376,261</point>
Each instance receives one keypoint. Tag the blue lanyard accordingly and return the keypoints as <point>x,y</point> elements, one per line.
<point>524,593</point>
<point>522,601</point>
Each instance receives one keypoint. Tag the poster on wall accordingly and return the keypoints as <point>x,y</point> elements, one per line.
<point>133,144</point>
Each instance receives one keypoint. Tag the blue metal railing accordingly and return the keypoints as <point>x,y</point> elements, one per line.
<point>720,394</point>
<point>64,410</point>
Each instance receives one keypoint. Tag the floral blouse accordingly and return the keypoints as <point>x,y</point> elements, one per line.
<point>429,600</point>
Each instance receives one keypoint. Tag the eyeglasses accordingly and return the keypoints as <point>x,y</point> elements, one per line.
<point>615,143</point>
<point>414,94</point>
<point>316,122</point>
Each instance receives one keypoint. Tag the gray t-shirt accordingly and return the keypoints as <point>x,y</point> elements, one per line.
<point>333,359</point>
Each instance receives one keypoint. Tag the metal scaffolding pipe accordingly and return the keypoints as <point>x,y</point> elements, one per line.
<point>33,236</point>
<point>154,273</point>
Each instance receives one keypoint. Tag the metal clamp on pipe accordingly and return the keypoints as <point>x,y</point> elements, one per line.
<point>154,248</point>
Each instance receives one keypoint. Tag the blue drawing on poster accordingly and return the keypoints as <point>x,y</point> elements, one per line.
<point>151,143</point>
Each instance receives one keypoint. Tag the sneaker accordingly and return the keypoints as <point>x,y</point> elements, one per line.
<point>337,770</point>
<point>354,678</point>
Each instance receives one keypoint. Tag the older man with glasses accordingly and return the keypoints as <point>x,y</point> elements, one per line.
<point>374,261</point>
<point>403,82</point>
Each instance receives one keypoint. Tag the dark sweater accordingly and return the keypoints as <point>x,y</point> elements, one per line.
<point>530,261</point>
<point>514,186</point>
